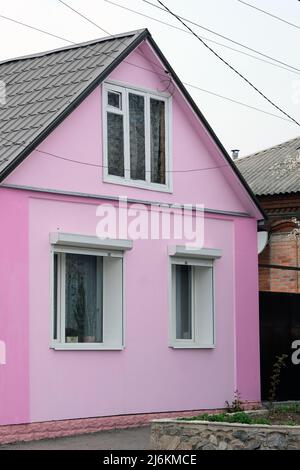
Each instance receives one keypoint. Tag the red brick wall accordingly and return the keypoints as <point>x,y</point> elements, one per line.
<point>284,246</point>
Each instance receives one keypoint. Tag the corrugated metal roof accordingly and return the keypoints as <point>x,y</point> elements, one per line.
<point>275,170</point>
<point>40,87</point>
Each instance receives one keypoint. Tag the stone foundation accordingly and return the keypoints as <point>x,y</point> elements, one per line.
<point>169,434</point>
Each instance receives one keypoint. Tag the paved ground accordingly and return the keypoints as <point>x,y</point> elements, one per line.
<point>122,439</point>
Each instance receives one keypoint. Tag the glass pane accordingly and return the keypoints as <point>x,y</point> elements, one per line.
<point>183,302</point>
<point>84,304</point>
<point>137,136</point>
<point>55,297</point>
<point>158,141</point>
<point>115,144</point>
<point>114,99</point>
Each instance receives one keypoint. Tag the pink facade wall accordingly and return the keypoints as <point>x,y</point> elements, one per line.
<point>246,308</point>
<point>14,308</point>
<point>147,376</point>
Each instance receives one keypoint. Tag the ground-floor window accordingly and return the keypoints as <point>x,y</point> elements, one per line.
<point>192,303</point>
<point>87,288</point>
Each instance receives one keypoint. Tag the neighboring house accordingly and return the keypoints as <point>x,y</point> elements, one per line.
<point>99,326</point>
<point>274,176</point>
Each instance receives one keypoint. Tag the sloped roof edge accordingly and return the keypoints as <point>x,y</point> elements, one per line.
<point>141,35</point>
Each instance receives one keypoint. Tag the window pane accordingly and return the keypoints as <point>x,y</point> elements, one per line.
<point>84,294</point>
<point>114,99</point>
<point>183,302</point>
<point>55,297</point>
<point>115,144</point>
<point>158,142</point>
<point>137,136</point>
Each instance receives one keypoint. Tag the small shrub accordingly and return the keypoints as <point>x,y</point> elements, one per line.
<point>236,404</point>
<point>275,378</point>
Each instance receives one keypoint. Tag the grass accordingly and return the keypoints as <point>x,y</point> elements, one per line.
<point>239,417</point>
<point>288,408</point>
<point>283,414</point>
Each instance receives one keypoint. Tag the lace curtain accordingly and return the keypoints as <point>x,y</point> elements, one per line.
<point>84,297</point>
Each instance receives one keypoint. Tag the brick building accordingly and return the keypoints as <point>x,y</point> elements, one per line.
<point>274,176</point>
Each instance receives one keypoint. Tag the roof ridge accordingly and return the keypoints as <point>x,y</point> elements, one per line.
<point>267,148</point>
<point>74,46</point>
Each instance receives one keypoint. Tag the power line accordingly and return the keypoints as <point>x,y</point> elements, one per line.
<point>188,84</point>
<point>269,14</point>
<point>71,160</point>
<point>222,36</point>
<point>95,24</point>
<point>189,170</point>
<point>237,102</point>
<point>205,38</point>
<point>163,74</point>
<point>37,29</point>
<point>85,17</point>
<point>230,66</point>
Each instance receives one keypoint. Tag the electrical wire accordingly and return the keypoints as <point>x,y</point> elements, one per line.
<point>151,71</point>
<point>222,36</point>
<point>163,75</point>
<point>188,170</point>
<point>269,14</point>
<point>36,29</point>
<point>203,37</point>
<point>230,66</point>
<point>83,16</point>
<point>188,84</point>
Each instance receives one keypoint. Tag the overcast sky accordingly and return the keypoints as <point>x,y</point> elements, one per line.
<point>236,126</point>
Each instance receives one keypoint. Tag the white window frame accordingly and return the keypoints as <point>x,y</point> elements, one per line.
<point>125,89</point>
<point>193,258</point>
<point>59,245</point>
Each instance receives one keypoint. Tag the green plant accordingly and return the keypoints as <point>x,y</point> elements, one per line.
<point>236,404</point>
<point>275,377</point>
<point>289,408</point>
<point>90,325</point>
<point>80,309</point>
<point>239,417</point>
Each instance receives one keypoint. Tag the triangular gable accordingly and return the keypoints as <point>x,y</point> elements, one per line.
<point>125,44</point>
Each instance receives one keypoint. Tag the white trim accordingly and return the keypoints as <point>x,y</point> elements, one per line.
<point>58,247</point>
<point>193,343</point>
<point>87,241</point>
<point>85,347</point>
<point>125,180</point>
<point>189,252</point>
<point>123,84</point>
<point>105,197</point>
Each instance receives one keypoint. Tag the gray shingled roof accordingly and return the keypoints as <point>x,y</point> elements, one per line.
<point>275,170</point>
<point>40,87</point>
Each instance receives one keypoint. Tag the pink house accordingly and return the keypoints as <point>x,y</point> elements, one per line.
<point>102,313</point>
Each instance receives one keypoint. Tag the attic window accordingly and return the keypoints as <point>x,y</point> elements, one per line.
<point>114,99</point>
<point>136,137</point>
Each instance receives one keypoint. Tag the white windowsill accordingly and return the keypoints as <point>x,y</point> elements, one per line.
<point>184,345</point>
<point>163,188</point>
<point>85,347</point>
